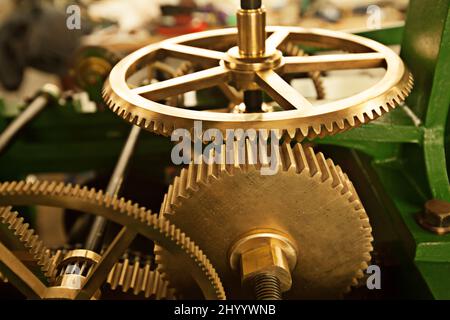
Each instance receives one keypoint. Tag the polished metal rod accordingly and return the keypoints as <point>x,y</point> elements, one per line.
<point>26,116</point>
<point>98,229</point>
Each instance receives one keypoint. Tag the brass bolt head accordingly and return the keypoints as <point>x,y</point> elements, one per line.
<point>264,253</point>
<point>436,216</point>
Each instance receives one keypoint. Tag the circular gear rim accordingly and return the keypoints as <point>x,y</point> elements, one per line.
<point>195,183</point>
<point>341,115</point>
<point>125,213</point>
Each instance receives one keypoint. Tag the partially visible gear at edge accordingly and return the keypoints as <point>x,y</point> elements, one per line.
<point>120,211</point>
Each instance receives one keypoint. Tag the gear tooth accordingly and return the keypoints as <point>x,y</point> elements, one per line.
<point>165,207</point>
<point>11,218</point>
<point>19,186</point>
<point>329,127</point>
<point>359,274</point>
<point>340,124</point>
<point>59,188</point>
<point>323,167</point>
<point>312,161</point>
<point>360,117</point>
<point>301,163</point>
<point>22,230</point>
<point>287,157</point>
<point>43,187</point>
<point>3,187</point>
<point>169,199</point>
<point>251,154</point>
<point>304,130</point>
<point>385,107</point>
<point>175,193</point>
<point>345,188</point>
<point>202,174</point>
<point>10,187</point>
<point>334,174</point>
<point>317,128</point>
<point>15,223</point>
<point>378,111</point>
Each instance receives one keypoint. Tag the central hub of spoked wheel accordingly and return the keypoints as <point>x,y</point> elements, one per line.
<point>250,55</point>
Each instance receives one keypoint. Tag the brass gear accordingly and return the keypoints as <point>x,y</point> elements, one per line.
<point>122,212</point>
<point>292,50</point>
<point>130,275</point>
<point>310,199</point>
<point>18,237</point>
<point>141,107</point>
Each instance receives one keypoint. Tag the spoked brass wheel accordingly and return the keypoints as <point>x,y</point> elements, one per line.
<point>257,63</point>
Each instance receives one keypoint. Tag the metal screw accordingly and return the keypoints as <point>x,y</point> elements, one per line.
<point>267,287</point>
<point>436,217</point>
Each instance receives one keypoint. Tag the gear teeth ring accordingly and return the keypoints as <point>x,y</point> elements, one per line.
<point>13,227</point>
<point>120,211</point>
<point>196,182</point>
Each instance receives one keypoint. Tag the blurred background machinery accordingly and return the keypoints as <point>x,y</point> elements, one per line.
<point>310,231</point>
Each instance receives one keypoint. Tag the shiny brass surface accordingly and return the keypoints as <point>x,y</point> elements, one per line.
<point>299,119</point>
<point>264,252</point>
<point>129,275</point>
<point>134,219</point>
<point>292,50</point>
<point>436,217</point>
<point>310,200</point>
<point>22,240</point>
<point>252,32</point>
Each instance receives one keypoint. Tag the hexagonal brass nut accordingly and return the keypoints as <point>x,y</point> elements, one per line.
<point>436,217</point>
<point>269,258</point>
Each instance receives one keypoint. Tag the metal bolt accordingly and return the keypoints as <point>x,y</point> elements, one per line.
<point>267,287</point>
<point>436,217</point>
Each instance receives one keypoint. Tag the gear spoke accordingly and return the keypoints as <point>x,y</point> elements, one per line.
<point>194,54</point>
<point>333,62</point>
<point>281,91</point>
<point>231,93</point>
<point>20,275</point>
<point>277,38</point>
<point>190,82</point>
<point>112,254</point>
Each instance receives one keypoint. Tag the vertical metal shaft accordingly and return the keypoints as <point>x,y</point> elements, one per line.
<point>96,235</point>
<point>253,100</point>
<point>251,21</point>
<point>251,4</point>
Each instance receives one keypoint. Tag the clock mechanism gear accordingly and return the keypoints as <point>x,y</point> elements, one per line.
<point>134,219</point>
<point>310,201</point>
<point>132,274</point>
<point>239,70</point>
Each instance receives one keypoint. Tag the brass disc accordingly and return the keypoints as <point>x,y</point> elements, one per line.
<point>310,199</point>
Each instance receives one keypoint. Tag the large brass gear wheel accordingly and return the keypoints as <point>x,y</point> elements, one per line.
<point>127,276</point>
<point>310,200</point>
<point>232,70</point>
<point>20,238</point>
<point>134,219</point>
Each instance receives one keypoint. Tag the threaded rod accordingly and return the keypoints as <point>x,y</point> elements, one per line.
<point>267,287</point>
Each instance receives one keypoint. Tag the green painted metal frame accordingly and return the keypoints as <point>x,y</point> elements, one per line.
<point>410,160</point>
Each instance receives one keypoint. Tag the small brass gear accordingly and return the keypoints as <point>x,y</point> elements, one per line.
<point>310,199</point>
<point>20,238</point>
<point>131,276</point>
<point>123,212</point>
